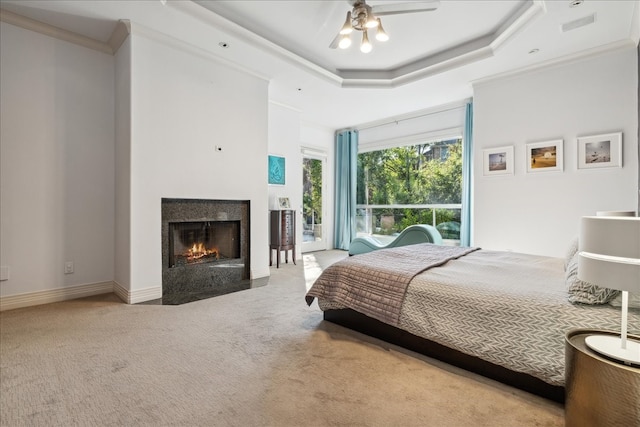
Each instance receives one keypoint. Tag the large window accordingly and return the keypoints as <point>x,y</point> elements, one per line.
<point>417,184</point>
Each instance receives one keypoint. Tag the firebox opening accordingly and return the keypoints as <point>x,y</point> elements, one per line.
<point>201,242</point>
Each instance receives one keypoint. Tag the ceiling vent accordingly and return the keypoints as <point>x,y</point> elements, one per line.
<point>568,26</point>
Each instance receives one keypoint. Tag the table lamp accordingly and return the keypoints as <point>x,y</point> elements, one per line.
<point>610,257</point>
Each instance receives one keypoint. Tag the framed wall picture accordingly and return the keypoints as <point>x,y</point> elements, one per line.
<point>600,151</point>
<point>497,161</point>
<point>284,203</point>
<point>276,170</point>
<point>545,156</point>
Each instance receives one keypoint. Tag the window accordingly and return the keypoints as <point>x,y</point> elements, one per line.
<point>416,184</point>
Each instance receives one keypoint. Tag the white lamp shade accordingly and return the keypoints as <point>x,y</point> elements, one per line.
<point>614,236</point>
<point>601,271</point>
<point>616,213</point>
<point>610,252</point>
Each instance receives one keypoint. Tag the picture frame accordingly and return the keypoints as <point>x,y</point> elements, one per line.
<point>600,151</point>
<point>277,170</point>
<point>545,156</point>
<point>284,203</point>
<point>497,161</point>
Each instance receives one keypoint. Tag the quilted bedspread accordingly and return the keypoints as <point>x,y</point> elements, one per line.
<point>508,308</point>
<point>375,283</point>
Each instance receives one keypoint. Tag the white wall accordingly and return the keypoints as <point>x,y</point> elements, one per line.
<point>56,170</point>
<point>122,268</point>
<point>287,137</point>
<point>183,105</point>
<point>284,141</point>
<point>539,213</point>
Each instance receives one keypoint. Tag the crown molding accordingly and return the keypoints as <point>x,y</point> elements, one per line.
<point>52,31</point>
<point>118,36</point>
<point>557,62</point>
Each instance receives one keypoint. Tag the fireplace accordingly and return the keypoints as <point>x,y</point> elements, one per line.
<point>198,242</point>
<point>205,248</point>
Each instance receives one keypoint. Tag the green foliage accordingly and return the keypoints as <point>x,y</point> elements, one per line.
<point>418,174</point>
<point>411,175</point>
<point>312,190</point>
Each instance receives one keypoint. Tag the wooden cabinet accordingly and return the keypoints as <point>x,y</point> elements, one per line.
<point>282,235</point>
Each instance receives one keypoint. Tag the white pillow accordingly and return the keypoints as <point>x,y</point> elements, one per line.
<point>584,292</point>
<point>571,251</point>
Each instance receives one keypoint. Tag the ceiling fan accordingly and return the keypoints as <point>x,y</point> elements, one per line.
<point>364,17</point>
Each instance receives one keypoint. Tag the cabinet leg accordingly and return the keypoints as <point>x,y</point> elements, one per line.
<point>278,259</point>
<point>293,255</point>
<point>270,257</point>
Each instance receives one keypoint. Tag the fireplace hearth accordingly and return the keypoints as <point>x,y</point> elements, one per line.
<point>205,249</point>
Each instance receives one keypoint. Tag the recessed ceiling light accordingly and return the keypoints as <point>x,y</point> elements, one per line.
<point>574,3</point>
<point>223,45</point>
<point>532,51</point>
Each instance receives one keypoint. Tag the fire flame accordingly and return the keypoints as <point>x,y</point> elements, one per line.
<point>198,251</point>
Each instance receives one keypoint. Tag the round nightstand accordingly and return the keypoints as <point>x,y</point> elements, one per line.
<point>598,391</point>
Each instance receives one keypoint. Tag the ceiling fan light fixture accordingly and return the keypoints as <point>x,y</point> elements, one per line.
<point>366,46</point>
<point>381,34</point>
<point>372,21</point>
<point>345,41</point>
<point>347,28</point>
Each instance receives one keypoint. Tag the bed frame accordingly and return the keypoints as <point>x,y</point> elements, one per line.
<point>359,322</point>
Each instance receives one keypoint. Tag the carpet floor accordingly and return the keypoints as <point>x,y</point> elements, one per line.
<point>258,357</point>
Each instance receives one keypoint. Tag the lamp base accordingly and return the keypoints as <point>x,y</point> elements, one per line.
<point>612,347</point>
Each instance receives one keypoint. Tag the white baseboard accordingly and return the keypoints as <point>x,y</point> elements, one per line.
<point>54,295</point>
<point>138,295</point>
<point>72,292</point>
<point>258,273</point>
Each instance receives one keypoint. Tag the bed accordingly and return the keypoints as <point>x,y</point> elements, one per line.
<point>503,315</point>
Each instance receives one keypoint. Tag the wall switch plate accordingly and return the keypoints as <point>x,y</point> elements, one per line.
<point>68,267</point>
<point>4,273</point>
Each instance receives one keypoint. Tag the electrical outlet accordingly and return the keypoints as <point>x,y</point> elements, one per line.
<point>68,267</point>
<point>4,273</point>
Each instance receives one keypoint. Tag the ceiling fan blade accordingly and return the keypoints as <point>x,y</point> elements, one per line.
<point>335,42</point>
<point>399,8</point>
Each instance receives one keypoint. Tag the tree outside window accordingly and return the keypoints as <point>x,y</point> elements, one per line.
<point>422,174</point>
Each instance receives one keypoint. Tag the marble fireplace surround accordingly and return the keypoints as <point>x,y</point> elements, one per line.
<point>192,282</point>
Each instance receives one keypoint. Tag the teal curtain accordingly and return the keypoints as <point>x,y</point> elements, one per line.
<point>467,177</point>
<point>346,176</point>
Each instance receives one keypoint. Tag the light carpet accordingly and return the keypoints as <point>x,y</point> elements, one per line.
<point>258,357</point>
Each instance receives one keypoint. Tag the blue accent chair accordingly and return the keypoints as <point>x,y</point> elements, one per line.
<point>421,233</point>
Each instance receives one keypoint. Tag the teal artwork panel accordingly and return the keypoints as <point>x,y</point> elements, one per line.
<point>276,170</point>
